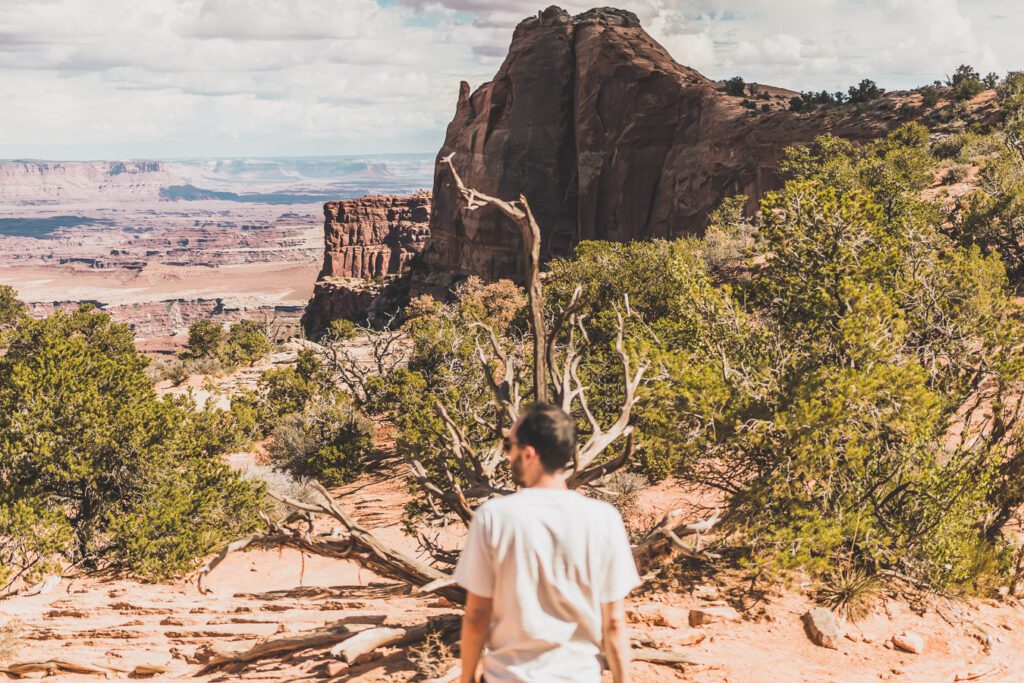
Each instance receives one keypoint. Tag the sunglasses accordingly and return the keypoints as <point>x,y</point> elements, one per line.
<point>507,444</point>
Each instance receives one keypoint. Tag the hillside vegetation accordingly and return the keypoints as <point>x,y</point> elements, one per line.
<point>843,371</point>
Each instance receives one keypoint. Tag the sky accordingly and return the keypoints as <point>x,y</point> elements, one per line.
<point>115,79</point>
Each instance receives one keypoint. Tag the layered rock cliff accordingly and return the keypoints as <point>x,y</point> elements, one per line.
<point>364,239</point>
<point>608,138</point>
<point>54,180</point>
<point>373,236</point>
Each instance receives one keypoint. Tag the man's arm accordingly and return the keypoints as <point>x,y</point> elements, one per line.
<point>476,626</point>
<point>615,634</point>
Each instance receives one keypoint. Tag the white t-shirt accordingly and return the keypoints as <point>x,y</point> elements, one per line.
<point>548,558</point>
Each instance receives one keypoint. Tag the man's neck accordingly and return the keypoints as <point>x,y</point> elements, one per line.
<point>550,481</point>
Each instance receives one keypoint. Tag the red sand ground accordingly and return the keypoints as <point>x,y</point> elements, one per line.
<point>122,623</point>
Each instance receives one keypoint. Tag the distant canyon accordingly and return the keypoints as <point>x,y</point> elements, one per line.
<point>161,244</point>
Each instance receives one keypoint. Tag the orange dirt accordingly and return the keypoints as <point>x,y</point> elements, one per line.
<point>122,623</point>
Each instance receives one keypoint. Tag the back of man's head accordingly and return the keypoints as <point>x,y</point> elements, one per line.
<point>550,431</point>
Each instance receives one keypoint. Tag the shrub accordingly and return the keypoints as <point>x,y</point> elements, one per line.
<point>286,390</point>
<point>729,236</point>
<point>204,339</point>
<point>956,173</point>
<point>622,489</point>
<point>865,91</point>
<point>341,330</point>
<point>32,539</point>
<point>930,95</point>
<point>12,309</point>
<point>328,443</point>
<point>11,639</point>
<point>138,480</point>
<point>966,82</point>
<point>736,87</point>
<point>247,342</point>
<point>432,657</point>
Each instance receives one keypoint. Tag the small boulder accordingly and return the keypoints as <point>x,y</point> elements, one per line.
<point>711,614</point>
<point>822,628</point>
<point>336,668</point>
<point>685,636</point>
<point>908,641</point>
<point>706,592</point>
<point>658,615</point>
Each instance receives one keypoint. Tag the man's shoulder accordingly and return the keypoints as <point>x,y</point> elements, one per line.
<point>527,499</point>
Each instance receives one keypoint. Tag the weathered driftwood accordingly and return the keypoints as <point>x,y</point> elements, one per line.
<point>282,646</point>
<point>667,536</point>
<point>354,543</point>
<point>373,639</point>
<point>56,665</point>
<point>661,657</point>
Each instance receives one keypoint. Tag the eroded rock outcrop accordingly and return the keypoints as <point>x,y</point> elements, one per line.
<point>373,236</point>
<point>364,239</point>
<point>609,138</point>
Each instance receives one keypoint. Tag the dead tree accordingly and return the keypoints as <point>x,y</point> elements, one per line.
<point>558,351</point>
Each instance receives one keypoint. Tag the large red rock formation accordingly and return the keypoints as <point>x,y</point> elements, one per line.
<point>364,239</point>
<point>608,138</point>
<point>373,236</point>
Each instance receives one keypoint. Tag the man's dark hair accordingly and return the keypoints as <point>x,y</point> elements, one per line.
<point>550,431</point>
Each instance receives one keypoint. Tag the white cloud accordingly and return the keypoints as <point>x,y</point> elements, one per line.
<point>212,77</point>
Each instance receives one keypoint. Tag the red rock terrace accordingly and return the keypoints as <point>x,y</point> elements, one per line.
<point>364,239</point>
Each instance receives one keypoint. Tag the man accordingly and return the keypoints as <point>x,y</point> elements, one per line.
<point>546,570</point>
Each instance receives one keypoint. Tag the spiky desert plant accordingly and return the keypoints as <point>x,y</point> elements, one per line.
<point>849,591</point>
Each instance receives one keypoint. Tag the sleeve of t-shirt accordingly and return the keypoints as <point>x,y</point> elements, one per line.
<point>475,571</point>
<point>621,576</point>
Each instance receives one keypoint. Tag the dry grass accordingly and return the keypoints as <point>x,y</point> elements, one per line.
<point>10,637</point>
<point>432,657</point>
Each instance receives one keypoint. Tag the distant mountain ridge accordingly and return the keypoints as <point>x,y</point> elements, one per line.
<point>267,180</point>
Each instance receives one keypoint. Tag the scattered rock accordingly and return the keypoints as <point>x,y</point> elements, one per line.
<point>441,602</point>
<point>336,668</point>
<point>706,592</point>
<point>65,613</point>
<point>174,621</point>
<point>822,628</point>
<point>909,641</point>
<point>659,615</point>
<point>709,615</point>
<point>677,637</point>
<point>45,586</point>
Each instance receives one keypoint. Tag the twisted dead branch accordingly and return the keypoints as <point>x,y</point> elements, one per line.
<point>351,542</point>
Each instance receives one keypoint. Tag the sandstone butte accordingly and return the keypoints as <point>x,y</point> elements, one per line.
<point>364,239</point>
<point>608,138</point>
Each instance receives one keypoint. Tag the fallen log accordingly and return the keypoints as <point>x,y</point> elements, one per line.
<point>280,646</point>
<point>55,665</point>
<point>50,666</point>
<point>361,645</point>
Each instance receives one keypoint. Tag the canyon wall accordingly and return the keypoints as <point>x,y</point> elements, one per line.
<point>373,236</point>
<point>364,239</point>
<point>608,138</point>
<point>29,181</point>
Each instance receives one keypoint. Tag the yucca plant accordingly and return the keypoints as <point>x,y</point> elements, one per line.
<point>849,591</point>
